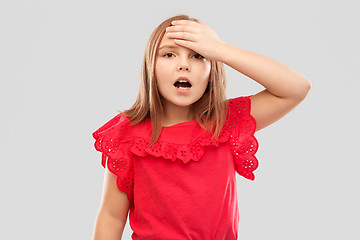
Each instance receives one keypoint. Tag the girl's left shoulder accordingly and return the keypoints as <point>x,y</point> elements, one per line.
<point>239,105</point>
<point>241,126</point>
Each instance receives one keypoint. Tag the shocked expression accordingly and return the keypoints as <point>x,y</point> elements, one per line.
<point>182,74</point>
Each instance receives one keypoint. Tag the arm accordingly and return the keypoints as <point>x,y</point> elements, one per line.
<point>113,211</point>
<point>284,88</point>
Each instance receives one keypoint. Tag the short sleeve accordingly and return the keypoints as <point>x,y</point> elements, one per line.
<point>114,141</point>
<point>243,143</point>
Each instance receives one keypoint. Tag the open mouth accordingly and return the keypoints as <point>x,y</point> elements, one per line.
<point>182,84</point>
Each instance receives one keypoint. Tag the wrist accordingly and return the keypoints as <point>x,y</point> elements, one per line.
<point>225,50</point>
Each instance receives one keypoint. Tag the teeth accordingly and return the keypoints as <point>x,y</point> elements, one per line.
<point>182,84</point>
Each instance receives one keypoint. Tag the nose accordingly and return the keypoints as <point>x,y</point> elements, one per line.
<point>183,65</point>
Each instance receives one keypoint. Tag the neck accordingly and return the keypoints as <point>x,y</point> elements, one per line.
<point>176,114</point>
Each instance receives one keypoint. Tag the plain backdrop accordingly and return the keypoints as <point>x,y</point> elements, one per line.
<point>66,67</point>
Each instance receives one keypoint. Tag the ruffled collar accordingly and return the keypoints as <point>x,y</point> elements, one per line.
<point>183,141</point>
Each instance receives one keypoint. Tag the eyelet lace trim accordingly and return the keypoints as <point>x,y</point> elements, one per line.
<point>118,146</point>
<point>116,154</point>
<point>242,141</point>
<point>171,151</point>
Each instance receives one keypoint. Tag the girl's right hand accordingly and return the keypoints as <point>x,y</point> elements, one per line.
<point>197,36</point>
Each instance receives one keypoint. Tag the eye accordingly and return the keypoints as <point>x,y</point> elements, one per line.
<point>168,55</point>
<point>198,56</point>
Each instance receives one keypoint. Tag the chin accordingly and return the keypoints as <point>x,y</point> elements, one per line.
<point>183,104</point>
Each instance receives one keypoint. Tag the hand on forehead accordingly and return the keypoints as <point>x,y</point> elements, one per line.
<point>196,36</point>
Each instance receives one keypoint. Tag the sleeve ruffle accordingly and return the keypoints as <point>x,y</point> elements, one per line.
<point>114,142</point>
<point>242,141</point>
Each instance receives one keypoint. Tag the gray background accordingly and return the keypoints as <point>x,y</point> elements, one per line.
<point>66,67</point>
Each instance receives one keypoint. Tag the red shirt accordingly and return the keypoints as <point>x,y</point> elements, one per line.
<point>184,186</point>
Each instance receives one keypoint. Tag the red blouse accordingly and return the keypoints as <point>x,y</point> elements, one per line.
<point>184,186</point>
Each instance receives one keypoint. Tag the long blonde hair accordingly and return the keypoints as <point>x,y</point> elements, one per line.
<point>210,110</point>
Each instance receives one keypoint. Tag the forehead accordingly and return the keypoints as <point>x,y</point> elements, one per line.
<point>168,42</point>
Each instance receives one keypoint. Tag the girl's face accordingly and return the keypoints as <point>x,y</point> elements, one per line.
<point>182,74</point>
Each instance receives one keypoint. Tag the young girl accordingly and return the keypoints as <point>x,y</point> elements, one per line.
<point>171,158</point>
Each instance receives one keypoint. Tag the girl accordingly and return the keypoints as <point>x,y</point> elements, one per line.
<point>171,158</point>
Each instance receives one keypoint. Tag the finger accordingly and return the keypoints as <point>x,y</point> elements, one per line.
<point>181,35</point>
<point>181,28</point>
<point>202,23</point>
<point>183,22</point>
<point>184,43</point>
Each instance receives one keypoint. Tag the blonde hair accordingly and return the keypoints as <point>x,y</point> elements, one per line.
<point>210,110</point>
